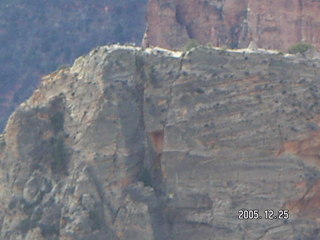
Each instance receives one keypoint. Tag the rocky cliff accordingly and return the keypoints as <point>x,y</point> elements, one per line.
<point>37,37</point>
<point>158,145</point>
<point>272,24</point>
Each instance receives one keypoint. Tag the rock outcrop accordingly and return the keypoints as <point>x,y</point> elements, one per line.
<point>38,37</point>
<point>272,24</point>
<point>158,145</point>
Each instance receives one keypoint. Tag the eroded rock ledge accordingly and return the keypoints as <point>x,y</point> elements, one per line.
<point>152,144</point>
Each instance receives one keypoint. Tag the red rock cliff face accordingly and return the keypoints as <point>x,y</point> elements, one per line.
<point>272,24</point>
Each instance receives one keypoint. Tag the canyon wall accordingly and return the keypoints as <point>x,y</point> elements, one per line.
<point>271,24</point>
<point>159,145</point>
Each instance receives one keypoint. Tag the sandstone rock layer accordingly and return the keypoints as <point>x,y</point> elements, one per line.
<point>272,24</point>
<point>159,145</point>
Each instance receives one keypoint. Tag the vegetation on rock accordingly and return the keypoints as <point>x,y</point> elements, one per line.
<point>301,47</point>
<point>192,43</point>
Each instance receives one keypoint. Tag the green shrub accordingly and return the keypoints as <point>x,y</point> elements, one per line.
<point>300,48</point>
<point>210,45</point>
<point>192,43</point>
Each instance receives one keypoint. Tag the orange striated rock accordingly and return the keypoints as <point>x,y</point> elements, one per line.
<point>307,203</point>
<point>308,148</point>
<point>282,23</point>
<point>164,26</point>
<point>271,24</point>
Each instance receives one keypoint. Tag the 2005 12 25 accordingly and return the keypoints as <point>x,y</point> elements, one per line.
<point>269,214</point>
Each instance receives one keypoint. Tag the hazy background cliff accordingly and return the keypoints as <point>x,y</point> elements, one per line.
<point>37,37</point>
<point>272,24</point>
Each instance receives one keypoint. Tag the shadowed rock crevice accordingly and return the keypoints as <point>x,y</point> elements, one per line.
<point>60,151</point>
<point>154,166</point>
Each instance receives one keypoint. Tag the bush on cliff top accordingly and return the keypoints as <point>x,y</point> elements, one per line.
<point>192,43</point>
<point>300,48</point>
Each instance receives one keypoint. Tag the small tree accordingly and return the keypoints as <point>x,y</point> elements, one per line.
<point>192,43</point>
<point>301,47</point>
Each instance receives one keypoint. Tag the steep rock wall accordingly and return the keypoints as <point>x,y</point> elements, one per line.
<point>272,24</point>
<point>156,145</point>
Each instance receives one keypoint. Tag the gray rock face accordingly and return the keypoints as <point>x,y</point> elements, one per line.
<point>159,145</point>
